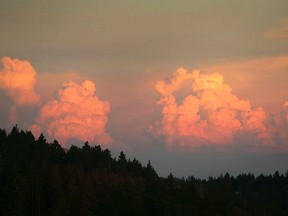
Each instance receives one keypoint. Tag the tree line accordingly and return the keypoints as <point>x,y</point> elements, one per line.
<point>42,178</point>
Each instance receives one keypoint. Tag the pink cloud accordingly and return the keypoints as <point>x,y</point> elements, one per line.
<point>256,79</point>
<point>210,114</point>
<point>17,79</point>
<point>75,113</point>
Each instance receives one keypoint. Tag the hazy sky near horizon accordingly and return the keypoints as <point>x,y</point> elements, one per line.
<point>197,87</point>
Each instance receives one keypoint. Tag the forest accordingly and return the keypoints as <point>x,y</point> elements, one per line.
<point>42,178</point>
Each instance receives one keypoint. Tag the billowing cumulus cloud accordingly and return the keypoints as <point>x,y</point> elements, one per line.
<point>255,79</point>
<point>75,113</point>
<point>208,114</point>
<point>17,79</point>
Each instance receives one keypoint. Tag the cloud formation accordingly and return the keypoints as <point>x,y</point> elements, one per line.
<point>75,113</point>
<point>278,127</point>
<point>256,79</point>
<point>209,114</point>
<point>280,32</point>
<point>17,79</point>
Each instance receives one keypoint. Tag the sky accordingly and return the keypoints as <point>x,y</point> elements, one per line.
<point>197,87</point>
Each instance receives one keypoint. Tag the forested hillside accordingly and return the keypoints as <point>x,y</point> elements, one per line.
<point>42,178</point>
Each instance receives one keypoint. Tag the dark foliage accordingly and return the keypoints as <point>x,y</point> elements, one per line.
<point>41,178</point>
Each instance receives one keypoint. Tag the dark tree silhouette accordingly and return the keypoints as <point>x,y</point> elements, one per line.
<point>42,178</point>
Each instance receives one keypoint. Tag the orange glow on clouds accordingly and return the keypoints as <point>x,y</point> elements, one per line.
<point>17,79</point>
<point>256,79</point>
<point>210,114</point>
<point>203,113</point>
<point>75,113</point>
